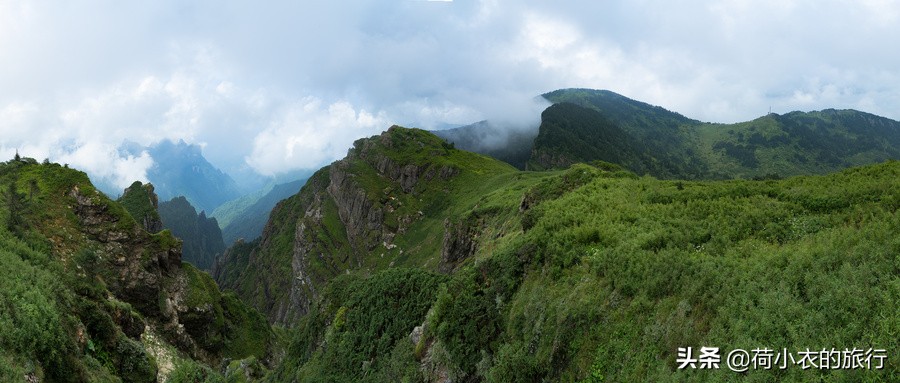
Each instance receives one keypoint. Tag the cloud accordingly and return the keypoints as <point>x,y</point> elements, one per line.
<point>309,134</point>
<point>106,164</point>
<point>284,85</point>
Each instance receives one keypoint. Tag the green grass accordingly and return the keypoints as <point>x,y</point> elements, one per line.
<point>620,272</point>
<point>616,272</point>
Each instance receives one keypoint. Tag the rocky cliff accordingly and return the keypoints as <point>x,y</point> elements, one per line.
<point>121,279</point>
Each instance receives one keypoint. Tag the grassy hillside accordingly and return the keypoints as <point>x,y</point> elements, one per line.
<point>570,133</point>
<point>141,202</point>
<point>604,275</point>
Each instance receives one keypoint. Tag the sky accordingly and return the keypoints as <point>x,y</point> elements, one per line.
<point>273,87</point>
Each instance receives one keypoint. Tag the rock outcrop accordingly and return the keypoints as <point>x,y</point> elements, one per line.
<point>460,241</point>
<point>142,203</point>
<point>146,271</point>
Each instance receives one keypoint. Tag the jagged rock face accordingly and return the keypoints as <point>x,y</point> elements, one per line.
<point>460,242</point>
<point>142,270</point>
<point>358,213</point>
<point>139,265</point>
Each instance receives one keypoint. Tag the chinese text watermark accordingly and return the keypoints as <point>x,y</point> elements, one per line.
<point>739,360</point>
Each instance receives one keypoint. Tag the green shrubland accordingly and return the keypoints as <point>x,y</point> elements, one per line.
<point>616,272</point>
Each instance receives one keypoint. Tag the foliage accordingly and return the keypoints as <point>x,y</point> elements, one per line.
<point>450,183</point>
<point>570,133</point>
<point>617,272</point>
<point>59,320</point>
<point>613,274</point>
<point>188,371</point>
<point>625,271</point>
<point>359,330</point>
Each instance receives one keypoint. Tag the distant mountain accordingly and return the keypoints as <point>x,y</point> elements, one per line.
<point>570,133</point>
<point>246,216</point>
<point>179,169</point>
<point>509,145</point>
<point>201,235</point>
<point>670,145</point>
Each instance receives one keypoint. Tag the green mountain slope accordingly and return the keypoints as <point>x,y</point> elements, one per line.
<point>411,260</point>
<point>87,294</point>
<point>201,237</point>
<point>246,217</point>
<point>141,202</point>
<point>386,205</point>
<point>608,274</point>
<point>570,133</point>
<point>792,144</point>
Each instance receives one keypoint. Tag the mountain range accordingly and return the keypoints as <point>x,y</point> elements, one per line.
<point>633,234</point>
<point>89,294</point>
<point>179,169</point>
<point>585,125</point>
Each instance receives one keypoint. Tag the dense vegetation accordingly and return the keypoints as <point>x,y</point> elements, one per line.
<point>616,272</point>
<point>570,133</point>
<point>87,294</point>
<point>412,260</point>
<point>201,236</point>
<point>359,330</point>
<point>377,219</point>
<point>141,202</point>
<point>590,274</point>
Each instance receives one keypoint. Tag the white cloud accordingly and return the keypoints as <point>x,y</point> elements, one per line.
<point>283,85</point>
<point>104,163</point>
<point>309,133</point>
